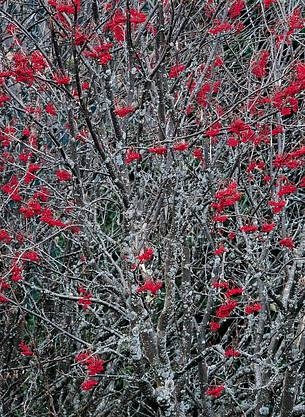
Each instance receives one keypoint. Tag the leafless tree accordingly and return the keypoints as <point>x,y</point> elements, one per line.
<point>152,208</point>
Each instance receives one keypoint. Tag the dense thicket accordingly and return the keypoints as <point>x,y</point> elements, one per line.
<point>152,208</point>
